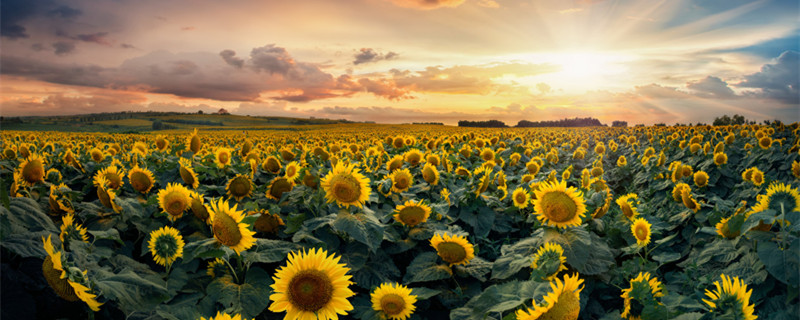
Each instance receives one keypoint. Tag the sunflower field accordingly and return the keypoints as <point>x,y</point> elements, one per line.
<point>403,222</point>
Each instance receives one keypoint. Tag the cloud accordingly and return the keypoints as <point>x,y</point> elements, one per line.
<point>65,12</point>
<point>488,4</point>
<point>230,58</point>
<point>15,13</point>
<point>63,48</point>
<point>467,79</point>
<point>427,4</point>
<point>366,55</point>
<point>98,38</point>
<point>711,87</point>
<point>655,91</point>
<point>543,88</point>
<point>779,81</point>
<point>127,46</point>
<point>271,59</point>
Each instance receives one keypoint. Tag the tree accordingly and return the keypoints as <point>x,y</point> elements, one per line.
<point>199,111</point>
<point>618,123</point>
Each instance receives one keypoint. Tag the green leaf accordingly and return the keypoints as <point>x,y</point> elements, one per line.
<point>364,228</point>
<point>509,265</point>
<point>28,244</point>
<point>480,219</point>
<point>782,263</point>
<point>269,251</point>
<point>133,292</point>
<point>26,214</point>
<point>477,268</point>
<point>110,234</point>
<point>425,268</point>
<point>249,298</point>
<point>423,293</point>
<point>587,252</point>
<point>205,248</point>
<point>498,298</point>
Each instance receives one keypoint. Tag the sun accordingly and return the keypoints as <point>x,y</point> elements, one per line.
<point>578,71</point>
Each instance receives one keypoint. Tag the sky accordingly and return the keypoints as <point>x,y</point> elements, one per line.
<point>399,61</point>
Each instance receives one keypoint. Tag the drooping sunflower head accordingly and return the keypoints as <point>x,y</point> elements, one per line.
<point>199,209</point>
<point>140,147</point>
<point>239,187</point>
<point>700,178</point>
<point>278,187</point>
<point>430,174</point>
<point>112,174</point>
<point>32,170</point>
<point>217,268</point>
<point>454,250</point>
<point>549,260</point>
<point>311,180</point>
<point>731,296</point>
<point>97,155</point>
<point>796,169</point>
<point>401,180</point>
<point>59,199</point>
<point>533,167</point>
<point>162,143</point>
<point>106,194</point>
<point>433,159</point>
<point>562,303</point>
<point>292,172</point>
<point>72,230</point>
<point>174,200</point>
<point>286,154</point>
<point>688,199</point>
<point>271,165</point>
<point>395,163</point>
<point>557,205</point>
<point>141,179</point>
<point>53,271</point>
<point>643,291</point>
<point>228,228</point>
<point>187,173</point>
<point>413,157</point>
<point>193,142</point>
<point>268,222</point>
<point>412,213</point>
<point>521,198</point>
<point>677,191</point>
<point>394,301</point>
<point>724,228</point>
<point>627,204</point>
<point>346,186</point>
<point>166,245</point>
<point>641,231</point>
<point>312,284</point>
<point>780,197</point>
<point>222,157</point>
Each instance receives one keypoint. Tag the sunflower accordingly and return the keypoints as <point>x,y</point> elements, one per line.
<point>222,157</point>
<point>780,197</point>
<point>642,291</point>
<point>394,301</point>
<point>113,175</point>
<point>72,230</point>
<point>487,154</point>
<point>602,210</point>
<point>97,155</point>
<point>187,173</point>
<point>677,191</point>
<point>228,228</point>
<point>166,245</point>
<point>521,198</point>
<point>217,268</point>
<point>106,194</point>
<point>430,174</point>
<point>62,283</point>
<point>445,194</point>
<point>412,213</point>
<point>224,316</point>
<point>463,171</point>
<point>239,187</point>
<point>765,142</point>
<point>401,180</point>
<point>757,177</point>
<point>287,154</point>
<point>174,200</point>
<point>532,167</point>
<point>796,169</point>
<point>313,285</point>
<point>346,186</point>
<point>622,161</point>
<point>454,250</point>
<point>549,260</point>
<point>292,171</point>
<point>278,187</point>
<point>724,229</point>
<point>199,209</point>
<point>142,180</point>
<point>32,170</point>
<point>395,163</point>
<point>720,158</point>
<point>731,295</point>
<point>271,165</point>
<point>688,199</point>
<point>557,205</point>
<point>641,230</point>
<point>268,222</point>
<point>193,142</point>
<point>700,178</point>
<point>413,157</point>
<point>59,199</point>
<point>563,302</point>
<point>161,143</point>
<point>627,204</point>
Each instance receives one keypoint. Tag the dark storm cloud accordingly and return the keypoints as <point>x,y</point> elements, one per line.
<point>63,48</point>
<point>366,55</point>
<point>230,58</point>
<point>779,81</point>
<point>65,12</point>
<point>15,13</point>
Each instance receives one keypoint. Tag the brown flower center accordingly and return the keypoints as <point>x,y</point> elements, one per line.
<point>226,230</point>
<point>558,206</point>
<point>401,181</point>
<point>175,203</point>
<point>53,277</point>
<point>429,175</point>
<point>240,187</point>
<point>451,252</point>
<point>310,290</point>
<point>273,165</point>
<point>520,198</point>
<point>346,188</point>
<point>279,186</point>
<point>224,158</point>
<point>33,171</point>
<point>412,215</point>
<point>392,304</point>
<point>568,307</point>
<point>140,181</point>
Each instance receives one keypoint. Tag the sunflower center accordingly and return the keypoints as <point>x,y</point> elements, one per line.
<point>175,203</point>
<point>641,232</point>
<point>273,165</point>
<point>226,229</point>
<point>166,246</point>
<point>520,198</point>
<point>310,290</point>
<point>558,206</point>
<point>451,252</point>
<point>412,216</point>
<point>53,277</point>
<point>240,187</point>
<point>392,304</point>
<point>290,171</point>
<point>395,164</point>
<point>401,182</point>
<point>346,188</point>
<point>223,158</point>
<point>33,171</point>
<point>627,210</point>
<point>280,186</point>
<point>140,181</point>
<point>413,159</point>
<point>267,223</point>
<point>567,306</point>
<point>114,180</point>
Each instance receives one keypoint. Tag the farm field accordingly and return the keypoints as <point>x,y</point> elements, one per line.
<point>365,221</point>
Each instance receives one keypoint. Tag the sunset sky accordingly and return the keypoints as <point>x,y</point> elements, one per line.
<point>395,61</point>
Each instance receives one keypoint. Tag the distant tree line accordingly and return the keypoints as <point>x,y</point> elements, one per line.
<point>574,122</point>
<point>618,123</point>
<point>200,122</point>
<point>726,120</point>
<point>482,124</point>
<point>159,125</point>
<point>429,123</point>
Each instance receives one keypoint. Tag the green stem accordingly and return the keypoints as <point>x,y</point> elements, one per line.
<point>232,270</point>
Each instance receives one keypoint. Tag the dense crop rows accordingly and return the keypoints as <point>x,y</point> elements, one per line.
<point>420,222</point>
